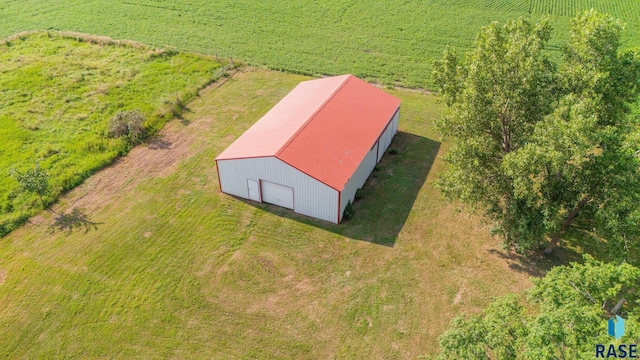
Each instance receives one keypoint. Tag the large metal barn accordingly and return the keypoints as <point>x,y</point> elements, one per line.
<point>314,149</point>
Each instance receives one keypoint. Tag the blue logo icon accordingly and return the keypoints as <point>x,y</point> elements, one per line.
<point>616,327</point>
<point>620,351</point>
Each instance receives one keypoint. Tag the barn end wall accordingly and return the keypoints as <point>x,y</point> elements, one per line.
<point>370,160</point>
<point>310,196</point>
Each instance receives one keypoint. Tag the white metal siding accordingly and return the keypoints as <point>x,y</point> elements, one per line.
<point>311,197</point>
<point>364,169</point>
<point>358,179</point>
<point>386,137</point>
<point>394,122</point>
<point>389,133</point>
<point>277,194</point>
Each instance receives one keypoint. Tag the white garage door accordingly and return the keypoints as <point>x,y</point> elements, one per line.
<point>277,194</point>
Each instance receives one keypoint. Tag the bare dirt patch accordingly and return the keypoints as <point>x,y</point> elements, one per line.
<point>458,298</point>
<point>157,157</point>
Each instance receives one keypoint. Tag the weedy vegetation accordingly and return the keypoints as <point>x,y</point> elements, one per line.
<point>73,102</point>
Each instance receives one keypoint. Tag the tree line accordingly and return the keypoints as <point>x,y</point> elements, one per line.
<point>541,146</point>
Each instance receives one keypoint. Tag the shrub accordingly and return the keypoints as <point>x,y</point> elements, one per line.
<point>359,194</point>
<point>127,124</point>
<point>8,207</point>
<point>349,211</point>
<point>176,107</point>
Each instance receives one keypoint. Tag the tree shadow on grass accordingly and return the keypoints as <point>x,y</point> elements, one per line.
<point>580,239</point>
<point>157,142</point>
<point>535,263</point>
<point>180,115</point>
<point>75,220</point>
<point>389,193</point>
<point>576,242</point>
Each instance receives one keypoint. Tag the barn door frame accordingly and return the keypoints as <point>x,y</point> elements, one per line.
<point>256,189</point>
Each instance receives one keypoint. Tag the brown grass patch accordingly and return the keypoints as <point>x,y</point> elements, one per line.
<point>158,157</point>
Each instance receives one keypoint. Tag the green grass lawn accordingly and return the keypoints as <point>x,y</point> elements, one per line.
<point>393,41</point>
<point>57,95</point>
<point>173,268</point>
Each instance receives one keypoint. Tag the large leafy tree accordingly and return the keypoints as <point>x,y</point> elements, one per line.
<point>564,317</point>
<point>571,159</point>
<point>495,96</point>
<point>578,160</point>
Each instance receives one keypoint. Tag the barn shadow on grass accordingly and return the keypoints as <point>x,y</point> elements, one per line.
<point>391,190</point>
<point>389,193</point>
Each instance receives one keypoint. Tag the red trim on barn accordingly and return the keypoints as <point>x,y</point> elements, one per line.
<point>339,219</point>
<point>218,171</point>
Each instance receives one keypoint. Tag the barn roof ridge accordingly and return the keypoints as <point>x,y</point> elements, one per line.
<point>323,127</point>
<point>304,125</point>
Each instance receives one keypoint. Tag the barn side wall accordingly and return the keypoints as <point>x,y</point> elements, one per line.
<point>310,196</point>
<point>358,179</point>
<point>388,134</point>
<point>366,166</point>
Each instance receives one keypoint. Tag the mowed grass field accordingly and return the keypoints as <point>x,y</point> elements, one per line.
<point>57,94</point>
<point>393,41</point>
<point>172,268</point>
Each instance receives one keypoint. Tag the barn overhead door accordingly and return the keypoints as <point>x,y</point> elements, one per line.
<point>277,194</point>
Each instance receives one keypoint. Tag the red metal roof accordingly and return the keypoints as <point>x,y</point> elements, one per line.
<point>323,127</point>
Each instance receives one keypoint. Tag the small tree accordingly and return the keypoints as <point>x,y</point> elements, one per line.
<point>33,181</point>
<point>127,124</point>
<point>359,194</point>
<point>349,211</point>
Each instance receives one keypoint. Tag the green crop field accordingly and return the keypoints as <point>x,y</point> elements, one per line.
<point>173,268</point>
<point>58,94</point>
<point>391,41</point>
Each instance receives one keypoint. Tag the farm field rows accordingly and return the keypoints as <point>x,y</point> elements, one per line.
<point>58,94</point>
<point>392,42</point>
<point>172,268</point>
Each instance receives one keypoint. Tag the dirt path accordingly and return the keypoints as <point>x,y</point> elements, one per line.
<point>157,157</point>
